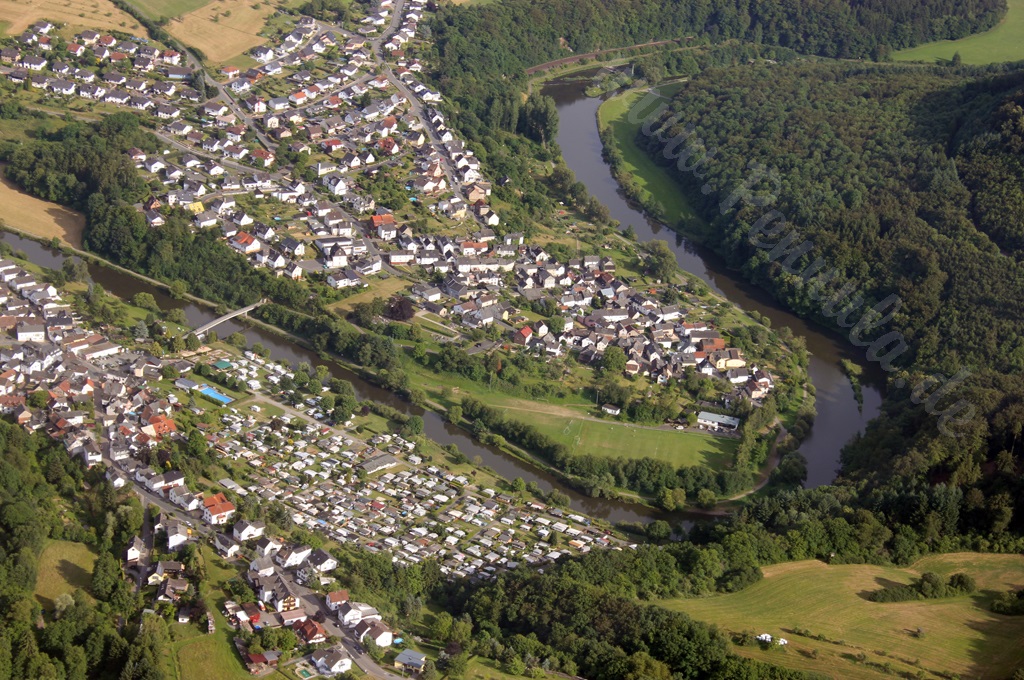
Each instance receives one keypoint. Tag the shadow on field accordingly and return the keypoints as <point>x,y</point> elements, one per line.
<point>74,574</point>
<point>883,583</point>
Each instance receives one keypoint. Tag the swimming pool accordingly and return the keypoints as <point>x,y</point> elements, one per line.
<point>215,395</point>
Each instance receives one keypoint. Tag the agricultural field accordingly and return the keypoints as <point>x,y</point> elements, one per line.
<point>64,567</point>
<point>859,637</point>
<point>40,218</point>
<point>1005,42</point>
<point>17,15</point>
<point>224,29</point>
<point>155,9</point>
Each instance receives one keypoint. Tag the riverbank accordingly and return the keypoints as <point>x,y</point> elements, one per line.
<point>507,462</point>
<point>838,418</point>
<point>640,177</point>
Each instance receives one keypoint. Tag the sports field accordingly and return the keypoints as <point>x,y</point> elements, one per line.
<point>38,217</point>
<point>1005,42</point>
<point>17,15</point>
<point>221,37</point>
<point>64,567</point>
<point>959,635</point>
<point>615,439</point>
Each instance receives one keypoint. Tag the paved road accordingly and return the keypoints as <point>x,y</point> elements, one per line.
<point>416,106</point>
<point>142,567</point>
<point>311,601</point>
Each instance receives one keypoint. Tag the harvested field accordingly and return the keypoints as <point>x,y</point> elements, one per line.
<point>38,217</point>
<point>17,15</point>
<point>222,38</point>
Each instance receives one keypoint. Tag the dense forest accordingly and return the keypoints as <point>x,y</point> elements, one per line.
<point>481,52</point>
<point>903,181</point>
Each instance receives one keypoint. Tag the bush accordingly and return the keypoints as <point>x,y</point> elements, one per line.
<point>1010,603</point>
<point>929,587</point>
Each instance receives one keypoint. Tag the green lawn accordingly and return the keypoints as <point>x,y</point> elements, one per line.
<point>64,567</point>
<point>961,636</point>
<point>242,61</point>
<point>379,287</point>
<point>1005,42</point>
<point>154,9</point>
<point>211,656</point>
<point>612,439</point>
<point>648,175</point>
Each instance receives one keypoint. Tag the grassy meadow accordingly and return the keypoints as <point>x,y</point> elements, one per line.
<point>64,567</point>
<point>959,635</point>
<point>17,15</point>
<point>648,175</point>
<point>1005,42</point>
<point>613,439</point>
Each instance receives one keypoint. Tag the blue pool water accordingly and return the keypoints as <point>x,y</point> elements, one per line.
<point>216,396</point>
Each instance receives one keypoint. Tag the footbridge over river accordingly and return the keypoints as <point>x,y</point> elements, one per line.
<point>202,330</point>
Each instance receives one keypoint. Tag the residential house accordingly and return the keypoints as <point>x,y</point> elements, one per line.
<point>374,630</point>
<point>245,530</point>
<point>332,661</point>
<point>335,599</point>
<point>217,509</point>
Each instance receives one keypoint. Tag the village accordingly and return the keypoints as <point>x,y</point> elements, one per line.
<point>116,407</point>
<point>291,163</point>
<point>349,110</point>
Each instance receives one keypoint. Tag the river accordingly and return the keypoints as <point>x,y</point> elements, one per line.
<point>839,418</point>
<point>282,349</point>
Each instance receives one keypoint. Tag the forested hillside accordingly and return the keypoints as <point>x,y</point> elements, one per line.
<point>906,181</point>
<point>483,51</point>
<point>43,495</point>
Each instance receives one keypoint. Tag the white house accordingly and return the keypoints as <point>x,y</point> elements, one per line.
<point>350,614</point>
<point>376,631</point>
<point>135,550</point>
<point>321,561</point>
<point>245,530</point>
<point>335,599</point>
<point>293,557</point>
<point>332,661</point>
<point>716,421</point>
<point>217,509</point>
